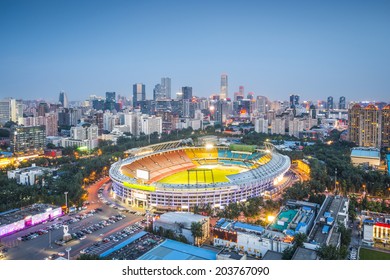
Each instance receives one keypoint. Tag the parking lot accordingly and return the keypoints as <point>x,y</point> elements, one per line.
<point>108,242</point>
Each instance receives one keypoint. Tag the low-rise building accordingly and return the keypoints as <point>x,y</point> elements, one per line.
<point>366,156</point>
<point>180,223</point>
<point>28,175</point>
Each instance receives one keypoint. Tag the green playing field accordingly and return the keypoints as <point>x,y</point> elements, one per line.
<point>219,174</point>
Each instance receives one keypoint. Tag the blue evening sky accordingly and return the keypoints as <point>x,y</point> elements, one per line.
<point>273,48</point>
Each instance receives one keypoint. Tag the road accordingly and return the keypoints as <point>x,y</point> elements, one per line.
<point>41,247</point>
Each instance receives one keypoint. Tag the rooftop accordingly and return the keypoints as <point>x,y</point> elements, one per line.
<point>271,255</point>
<point>12,216</point>
<point>174,250</point>
<point>284,219</point>
<point>366,153</point>
<point>304,254</point>
<point>186,218</point>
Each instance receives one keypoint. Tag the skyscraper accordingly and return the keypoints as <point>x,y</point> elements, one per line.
<point>385,120</point>
<point>294,100</point>
<point>166,88</point>
<point>187,93</point>
<point>354,123</point>
<point>64,99</point>
<point>342,102</point>
<point>139,94</point>
<point>10,110</point>
<point>110,97</point>
<point>365,127</point>
<point>329,103</point>
<point>224,87</point>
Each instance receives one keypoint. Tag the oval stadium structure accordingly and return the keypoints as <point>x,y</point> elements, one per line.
<point>175,176</point>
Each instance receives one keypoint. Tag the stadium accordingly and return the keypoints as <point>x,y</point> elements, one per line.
<point>179,176</point>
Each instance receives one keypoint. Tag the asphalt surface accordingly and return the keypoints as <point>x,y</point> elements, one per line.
<point>43,246</point>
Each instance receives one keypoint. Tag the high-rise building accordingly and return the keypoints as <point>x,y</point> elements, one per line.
<point>10,110</point>
<point>261,125</point>
<point>241,91</point>
<point>63,99</point>
<point>166,87</point>
<point>385,124</point>
<point>224,87</point>
<point>151,124</point>
<point>329,103</point>
<point>157,92</point>
<point>262,104</point>
<point>354,114</point>
<point>294,100</point>
<point>187,93</point>
<point>27,139</point>
<point>365,127</point>
<point>51,124</point>
<point>342,104</point>
<point>110,97</point>
<point>370,130</point>
<point>139,94</point>
<point>43,108</point>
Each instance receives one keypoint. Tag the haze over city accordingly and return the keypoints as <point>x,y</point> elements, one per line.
<point>314,49</point>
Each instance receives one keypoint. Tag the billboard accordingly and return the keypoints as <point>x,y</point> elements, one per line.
<point>142,174</point>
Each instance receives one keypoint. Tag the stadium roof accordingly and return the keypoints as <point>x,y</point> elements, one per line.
<point>366,153</point>
<point>174,250</point>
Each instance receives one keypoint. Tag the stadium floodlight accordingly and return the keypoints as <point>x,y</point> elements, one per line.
<point>267,151</point>
<point>209,146</point>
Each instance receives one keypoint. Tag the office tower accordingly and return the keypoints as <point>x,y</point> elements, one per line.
<point>329,103</point>
<point>241,91</point>
<point>313,111</point>
<point>110,97</point>
<point>342,103</point>
<point>157,92</point>
<point>294,100</point>
<point>139,94</point>
<point>262,104</point>
<point>64,99</point>
<point>27,139</point>
<point>166,88</point>
<point>385,124</point>
<point>224,87</point>
<point>187,93</point>
<point>110,103</point>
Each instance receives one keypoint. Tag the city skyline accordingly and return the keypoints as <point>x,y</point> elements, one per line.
<point>314,50</point>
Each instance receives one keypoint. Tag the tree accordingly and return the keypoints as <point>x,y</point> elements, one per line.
<point>288,253</point>
<point>328,252</point>
<point>299,239</point>
<point>197,231</point>
<point>88,257</point>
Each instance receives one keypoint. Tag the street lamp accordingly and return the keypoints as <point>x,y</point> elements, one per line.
<point>66,200</point>
<point>68,251</point>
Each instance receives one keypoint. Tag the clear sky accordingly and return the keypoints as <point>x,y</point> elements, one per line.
<point>273,48</point>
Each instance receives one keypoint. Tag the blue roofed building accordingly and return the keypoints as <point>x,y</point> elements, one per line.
<point>174,250</point>
<point>365,156</point>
